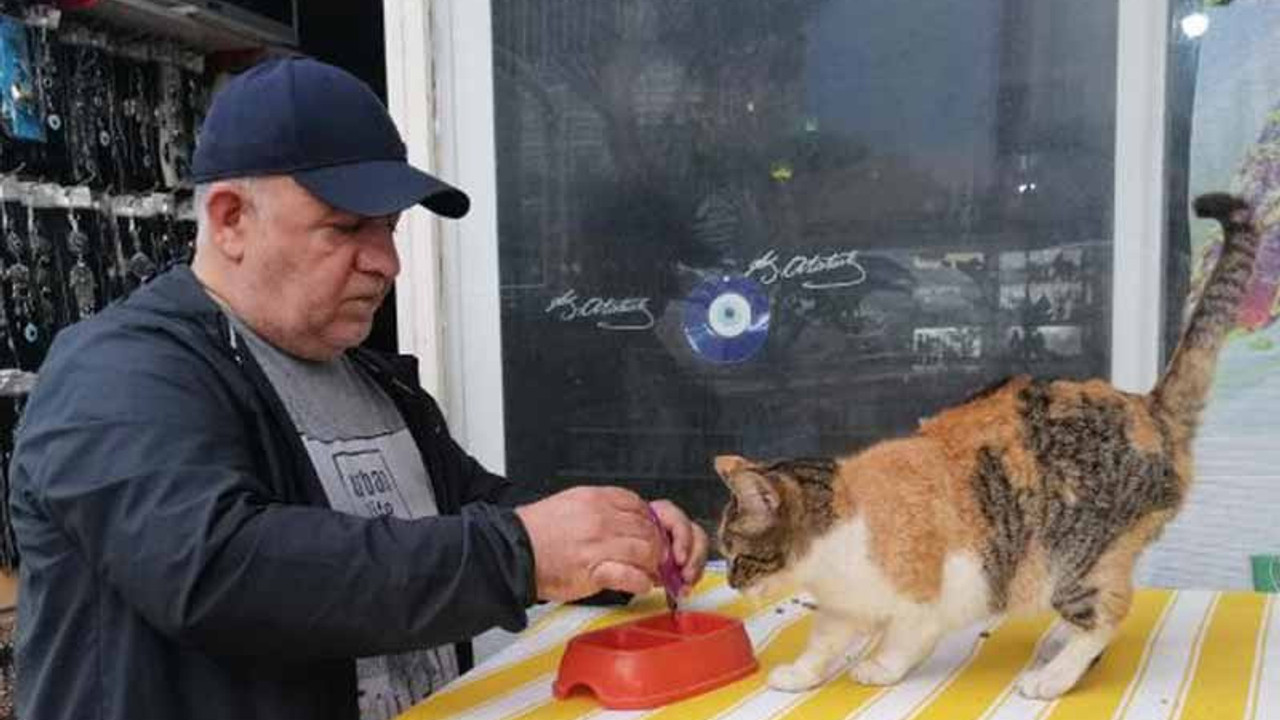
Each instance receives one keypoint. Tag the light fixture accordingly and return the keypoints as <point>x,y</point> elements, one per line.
<point>1195,24</point>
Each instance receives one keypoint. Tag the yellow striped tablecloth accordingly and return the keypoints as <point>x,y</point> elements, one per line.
<point>1181,655</point>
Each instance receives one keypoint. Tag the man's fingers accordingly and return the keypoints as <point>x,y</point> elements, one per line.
<point>677,523</point>
<point>620,576</point>
<point>689,543</point>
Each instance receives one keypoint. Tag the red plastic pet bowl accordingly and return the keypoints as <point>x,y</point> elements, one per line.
<point>656,660</point>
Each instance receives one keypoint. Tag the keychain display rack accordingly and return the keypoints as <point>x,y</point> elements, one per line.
<point>97,127</point>
<point>98,118</point>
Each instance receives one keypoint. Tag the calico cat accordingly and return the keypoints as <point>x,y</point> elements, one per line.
<point>1030,496</point>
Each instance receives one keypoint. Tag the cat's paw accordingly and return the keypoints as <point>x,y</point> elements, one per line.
<point>1044,683</point>
<point>873,672</point>
<point>793,678</point>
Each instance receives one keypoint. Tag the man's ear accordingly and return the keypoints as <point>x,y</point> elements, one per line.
<point>228,211</point>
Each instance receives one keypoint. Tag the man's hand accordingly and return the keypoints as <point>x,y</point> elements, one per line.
<point>689,543</point>
<point>588,539</point>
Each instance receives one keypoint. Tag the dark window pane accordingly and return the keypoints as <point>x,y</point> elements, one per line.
<point>918,194</point>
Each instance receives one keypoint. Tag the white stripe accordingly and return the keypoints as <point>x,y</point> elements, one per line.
<point>1172,655</point>
<point>770,702</point>
<point>1148,651</point>
<point>1268,688</point>
<point>554,631</point>
<point>711,599</point>
<point>1012,705</point>
<point>511,703</point>
<point>935,674</point>
<point>1197,649</point>
<point>617,714</point>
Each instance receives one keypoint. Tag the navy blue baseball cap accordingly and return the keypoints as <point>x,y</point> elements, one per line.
<point>323,127</point>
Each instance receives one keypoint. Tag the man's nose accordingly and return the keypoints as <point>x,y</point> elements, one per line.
<point>379,255</point>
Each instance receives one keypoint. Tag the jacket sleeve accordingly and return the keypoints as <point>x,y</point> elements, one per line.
<point>150,468</point>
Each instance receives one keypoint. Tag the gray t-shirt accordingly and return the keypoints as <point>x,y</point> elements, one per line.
<point>369,466</point>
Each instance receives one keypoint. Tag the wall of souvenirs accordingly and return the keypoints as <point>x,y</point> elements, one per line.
<point>97,126</point>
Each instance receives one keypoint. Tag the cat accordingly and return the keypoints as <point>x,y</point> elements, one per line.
<point>1033,495</point>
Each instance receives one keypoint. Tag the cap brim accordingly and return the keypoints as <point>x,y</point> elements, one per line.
<point>382,187</point>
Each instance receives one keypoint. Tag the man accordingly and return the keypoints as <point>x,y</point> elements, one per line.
<point>227,510</point>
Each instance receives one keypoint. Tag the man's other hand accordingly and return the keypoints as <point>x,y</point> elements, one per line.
<point>588,539</point>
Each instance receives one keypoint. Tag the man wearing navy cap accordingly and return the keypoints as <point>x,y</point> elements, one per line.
<point>227,509</point>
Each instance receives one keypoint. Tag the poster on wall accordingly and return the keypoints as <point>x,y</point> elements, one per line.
<point>1229,527</point>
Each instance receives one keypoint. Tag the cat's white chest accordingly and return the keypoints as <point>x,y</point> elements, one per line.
<point>841,575</point>
<point>838,571</point>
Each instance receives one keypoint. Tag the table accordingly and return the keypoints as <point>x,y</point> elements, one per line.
<point>1180,654</point>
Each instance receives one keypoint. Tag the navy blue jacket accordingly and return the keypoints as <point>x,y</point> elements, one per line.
<point>179,559</point>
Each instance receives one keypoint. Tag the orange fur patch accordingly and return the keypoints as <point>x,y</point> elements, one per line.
<point>900,489</point>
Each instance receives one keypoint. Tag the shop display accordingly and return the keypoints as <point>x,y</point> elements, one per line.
<point>98,126</point>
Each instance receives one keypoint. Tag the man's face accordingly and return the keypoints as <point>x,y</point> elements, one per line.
<point>314,275</point>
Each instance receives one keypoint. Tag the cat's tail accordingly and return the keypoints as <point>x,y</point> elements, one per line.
<point>1180,394</point>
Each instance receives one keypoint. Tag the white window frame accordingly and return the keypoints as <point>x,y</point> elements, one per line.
<point>1137,279</point>
<point>440,91</point>
<point>447,308</point>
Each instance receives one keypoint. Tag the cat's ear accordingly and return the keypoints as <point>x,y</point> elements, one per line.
<point>727,465</point>
<point>758,501</point>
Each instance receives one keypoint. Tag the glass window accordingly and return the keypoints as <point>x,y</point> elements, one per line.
<point>1224,133</point>
<point>789,228</point>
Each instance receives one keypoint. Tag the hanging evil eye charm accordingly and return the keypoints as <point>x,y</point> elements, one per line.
<point>84,287</point>
<point>141,266</point>
<point>78,241</point>
<point>15,243</point>
<point>31,332</point>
